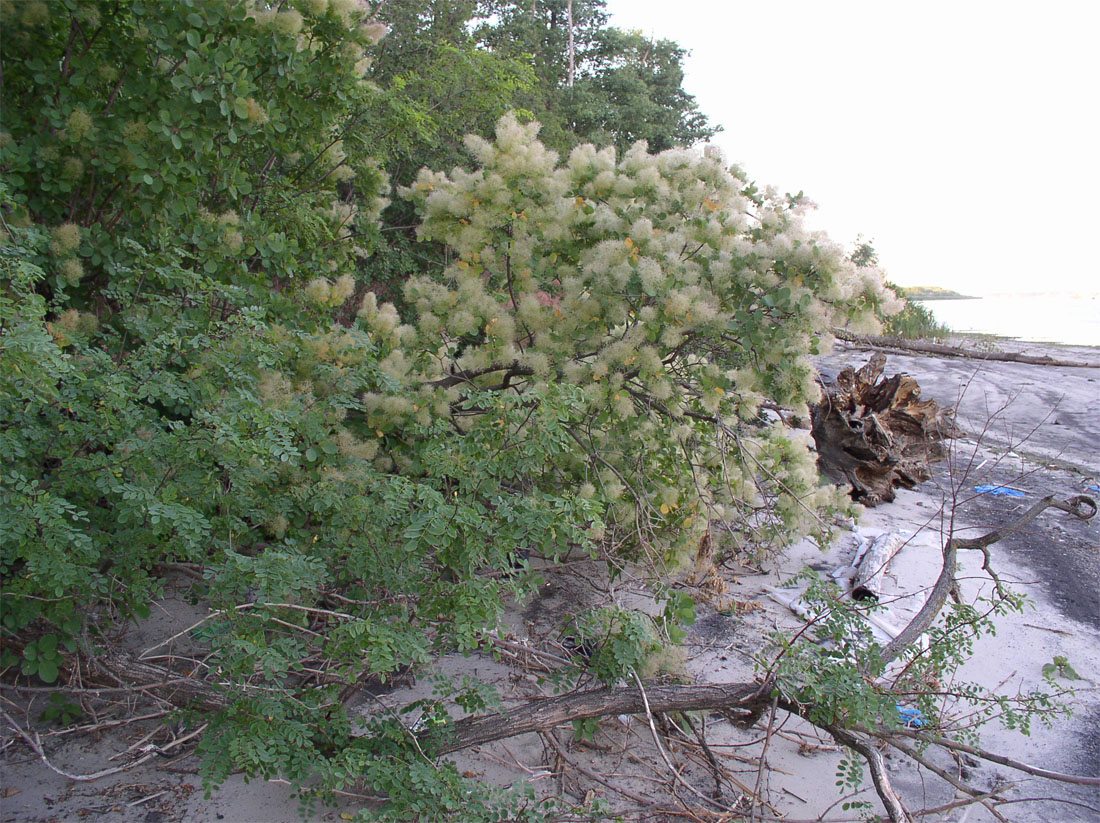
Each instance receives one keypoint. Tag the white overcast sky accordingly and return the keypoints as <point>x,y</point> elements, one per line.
<point>961,137</point>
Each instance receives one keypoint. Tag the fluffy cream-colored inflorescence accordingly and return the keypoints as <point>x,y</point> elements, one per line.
<point>673,294</point>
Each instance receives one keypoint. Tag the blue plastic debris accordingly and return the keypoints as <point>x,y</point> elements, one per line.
<point>1092,488</point>
<point>1005,490</point>
<point>911,718</point>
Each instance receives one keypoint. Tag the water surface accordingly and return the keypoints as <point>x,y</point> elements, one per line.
<point>1033,318</point>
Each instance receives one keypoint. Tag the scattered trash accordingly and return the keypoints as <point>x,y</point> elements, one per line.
<point>911,718</point>
<point>1003,490</point>
<point>792,599</point>
<point>1092,488</point>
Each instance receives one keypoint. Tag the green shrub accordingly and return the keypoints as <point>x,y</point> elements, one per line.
<point>914,322</point>
<point>197,370</point>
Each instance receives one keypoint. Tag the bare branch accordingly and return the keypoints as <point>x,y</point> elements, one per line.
<point>924,619</point>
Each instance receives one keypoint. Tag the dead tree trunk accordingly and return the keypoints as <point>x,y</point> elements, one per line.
<point>878,435</point>
<point>871,570</point>
<point>542,714</point>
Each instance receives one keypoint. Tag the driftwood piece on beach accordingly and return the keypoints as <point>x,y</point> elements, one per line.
<point>871,569</point>
<point>897,344</point>
<point>877,434</point>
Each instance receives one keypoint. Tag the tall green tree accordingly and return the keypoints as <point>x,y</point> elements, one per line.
<point>626,87</point>
<point>632,89</point>
<point>449,84</point>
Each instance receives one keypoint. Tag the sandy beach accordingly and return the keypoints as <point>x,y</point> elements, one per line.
<point>1034,429</point>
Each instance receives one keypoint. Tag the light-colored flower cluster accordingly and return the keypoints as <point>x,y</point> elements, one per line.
<point>325,293</point>
<point>72,270</point>
<point>72,324</point>
<point>288,22</point>
<point>256,112</point>
<point>80,125</point>
<point>373,31</point>
<point>65,239</point>
<point>671,294</point>
<point>350,11</point>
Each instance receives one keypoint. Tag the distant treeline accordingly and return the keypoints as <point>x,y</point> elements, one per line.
<point>932,293</point>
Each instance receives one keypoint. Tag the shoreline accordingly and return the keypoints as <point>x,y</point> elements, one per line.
<point>1039,319</point>
<point>978,340</point>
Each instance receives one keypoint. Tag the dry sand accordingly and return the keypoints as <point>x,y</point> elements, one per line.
<point>1056,563</point>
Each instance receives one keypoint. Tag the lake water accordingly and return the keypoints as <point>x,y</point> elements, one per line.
<point>1034,318</point>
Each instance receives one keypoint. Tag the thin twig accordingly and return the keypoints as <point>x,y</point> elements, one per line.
<point>36,746</point>
<point>946,775</point>
<point>1078,779</point>
<point>146,799</point>
<point>548,737</point>
<point>763,754</point>
<point>94,727</point>
<point>661,748</point>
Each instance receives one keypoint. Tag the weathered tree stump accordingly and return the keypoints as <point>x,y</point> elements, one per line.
<point>877,434</point>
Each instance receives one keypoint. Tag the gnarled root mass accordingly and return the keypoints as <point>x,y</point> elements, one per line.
<point>877,434</point>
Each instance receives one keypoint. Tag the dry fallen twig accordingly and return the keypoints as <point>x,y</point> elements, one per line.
<point>35,743</point>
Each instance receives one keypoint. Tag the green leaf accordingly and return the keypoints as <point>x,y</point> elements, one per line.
<point>48,671</point>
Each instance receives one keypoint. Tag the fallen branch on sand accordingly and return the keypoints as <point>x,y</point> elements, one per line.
<point>150,751</point>
<point>543,714</point>
<point>945,583</point>
<point>751,699</point>
<point>898,344</point>
<point>742,703</point>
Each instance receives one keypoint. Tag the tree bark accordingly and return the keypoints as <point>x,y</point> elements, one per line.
<point>878,435</point>
<point>572,48</point>
<point>545,713</point>
<point>871,569</point>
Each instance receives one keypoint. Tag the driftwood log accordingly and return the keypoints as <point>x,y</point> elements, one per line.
<point>871,568</point>
<point>896,344</point>
<point>876,434</point>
